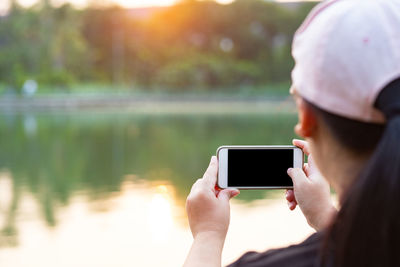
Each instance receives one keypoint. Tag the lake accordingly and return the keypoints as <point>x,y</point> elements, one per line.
<point>109,188</point>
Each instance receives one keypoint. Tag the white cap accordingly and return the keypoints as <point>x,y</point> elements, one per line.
<point>346,52</point>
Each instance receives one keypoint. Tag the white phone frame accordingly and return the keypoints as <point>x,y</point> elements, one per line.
<point>222,155</point>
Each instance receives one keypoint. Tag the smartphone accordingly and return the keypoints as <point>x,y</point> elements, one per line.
<point>257,167</point>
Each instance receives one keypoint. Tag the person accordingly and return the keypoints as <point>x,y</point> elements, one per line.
<point>346,84</point>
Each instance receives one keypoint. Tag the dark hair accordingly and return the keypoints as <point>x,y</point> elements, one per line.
<point>366,231</point>
<point>359,137</point>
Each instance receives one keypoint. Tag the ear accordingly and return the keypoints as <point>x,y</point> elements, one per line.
<point>307,120</point>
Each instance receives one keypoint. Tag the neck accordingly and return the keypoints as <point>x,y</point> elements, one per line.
<point>340,166</point>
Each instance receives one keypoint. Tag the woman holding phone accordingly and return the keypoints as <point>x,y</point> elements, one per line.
<point>346,83</point>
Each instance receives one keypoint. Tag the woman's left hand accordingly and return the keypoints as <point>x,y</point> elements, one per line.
<point>207,207</point>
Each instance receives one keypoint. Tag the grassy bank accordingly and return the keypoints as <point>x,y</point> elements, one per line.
<point>264,91</point>
<point>127,98</point>
<point>147,105</point>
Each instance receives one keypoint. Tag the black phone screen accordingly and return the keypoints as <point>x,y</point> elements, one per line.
<point>259,167</point>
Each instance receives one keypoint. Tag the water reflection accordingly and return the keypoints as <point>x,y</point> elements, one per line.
<point>122,236</point>
<point>159,218</point>
<point>30,125</point>
<point>96,189</point>
<point>95,152</point>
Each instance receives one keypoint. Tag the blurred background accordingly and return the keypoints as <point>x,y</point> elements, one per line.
<point>111,109</point>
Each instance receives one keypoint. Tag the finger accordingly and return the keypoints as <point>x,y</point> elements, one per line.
<point>210,176</point>
<point>311,164</point>
<point>312,169</point>
<point>298,176</point>
<point>290,195</point>
<point>196,184</point>
<point>292,205</point>
<point>303,145</point>
<point>293,201</point>
<point>306,169</point>
<point>217,190</point>
<point>227,194</point>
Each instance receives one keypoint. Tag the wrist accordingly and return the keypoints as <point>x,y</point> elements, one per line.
<point>210,235</point>
<point>206,250</point>
<point>213,238</point>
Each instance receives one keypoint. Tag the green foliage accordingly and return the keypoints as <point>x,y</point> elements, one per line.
<point>41,43</point>
<point>206,71</point>
<point>54,156</point>
<point>191,45</point>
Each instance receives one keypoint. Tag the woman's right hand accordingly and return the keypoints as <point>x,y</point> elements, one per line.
<point>311,192</point>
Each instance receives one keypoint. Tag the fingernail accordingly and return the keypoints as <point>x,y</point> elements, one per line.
<point>287,193</point>
<point>289,170</point>
<point>234,193</point>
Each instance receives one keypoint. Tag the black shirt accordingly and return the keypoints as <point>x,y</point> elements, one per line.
<point>305,254</point>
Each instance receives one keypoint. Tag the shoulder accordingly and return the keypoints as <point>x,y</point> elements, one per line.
<point>305,254</point>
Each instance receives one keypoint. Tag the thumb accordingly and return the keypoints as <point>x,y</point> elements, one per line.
<point>298,176</point>
<point>227,194</point>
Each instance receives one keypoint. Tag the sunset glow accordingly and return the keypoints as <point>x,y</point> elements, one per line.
<point>144,3</point>
<point>148,3</point>
<point>160,215</point>
<point>4,4</point>
<point>123,3</point>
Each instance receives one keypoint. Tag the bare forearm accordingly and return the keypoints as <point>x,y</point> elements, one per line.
<point>206,250</point>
